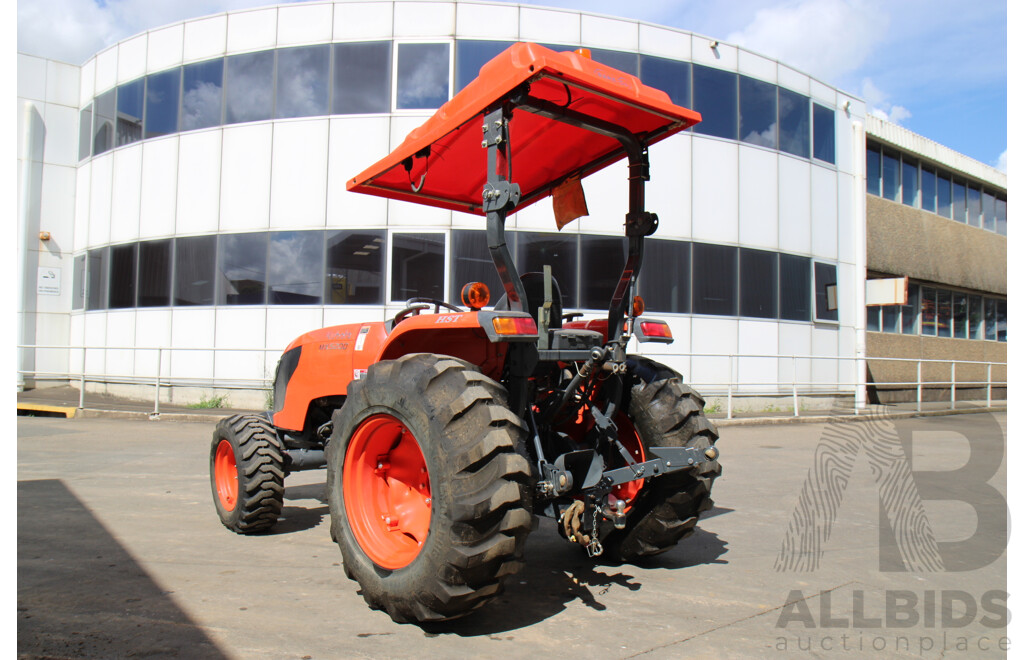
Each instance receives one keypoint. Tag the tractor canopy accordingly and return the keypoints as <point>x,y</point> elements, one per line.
<point>443,163</point>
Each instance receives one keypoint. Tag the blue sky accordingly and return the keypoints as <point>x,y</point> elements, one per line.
<point>937,67</point>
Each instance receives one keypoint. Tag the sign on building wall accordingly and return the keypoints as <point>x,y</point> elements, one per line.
<point>888,291</point>
<point>48,281</point>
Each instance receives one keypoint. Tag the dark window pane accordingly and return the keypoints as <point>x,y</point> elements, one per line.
<point>1001,217</point>
<point>890,175</point>
<point>469,57</point>
<point>890,318</point>
<point>1001,319</point>
<point>909,182</point>
<point>974,206</point>
<point>975,315</point>
<point>794,287</point>
<point>714,279</point>
<point>535,250</point>
<point>625,62</point>
<point>669,76</point>
<point>122,276</point>
<point>874,319</point>
<point>422,76</point>
<point>355,267</point>
<point>78,283</point>
<point>794,123</point>
<point>928,312</point>
<point>96,292</point>
<point>715,98</point>
<point>103,127</point>
<point>944,197</point>
<point>960,315</point>
<point>826,293</point>
<point>242,269</point>
<point>194,260</point>
<point>362,78</point>
<point>665,278</point>
<point>759,276</point>
<point>417,266</point>
<point>129,111</point>
<point>928,189</point>
<point>874,170</point>
<point>758,121</point>
<point>302,81</point>
<point>85,132</point>
<point>601,262</point>
<point>990,319</point>
<point>471,262</point>
<point>162,103</point>
<point>824,133</point>
<point>988,209</point>
<point>250,87</point>
<point>296,268</point>
<point>910,310</point>
<point>203,91</point>
<point>154,274</point>
<point>944,308</point>
<point>959,201</point>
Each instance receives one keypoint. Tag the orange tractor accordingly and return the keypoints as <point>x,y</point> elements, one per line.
<point>448,430</point>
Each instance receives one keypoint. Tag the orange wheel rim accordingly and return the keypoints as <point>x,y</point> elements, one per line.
<point>387,491</point>
<point>225,475</point>
<point>630,439</point>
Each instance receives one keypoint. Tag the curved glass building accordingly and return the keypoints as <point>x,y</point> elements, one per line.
<point>192,183</point>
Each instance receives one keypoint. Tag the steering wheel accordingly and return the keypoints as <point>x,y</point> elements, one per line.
<point>415,305</point>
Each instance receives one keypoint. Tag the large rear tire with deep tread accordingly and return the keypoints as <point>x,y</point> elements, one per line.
<point>247,473</point>
<point>665,413</point>
<point>453,557</point>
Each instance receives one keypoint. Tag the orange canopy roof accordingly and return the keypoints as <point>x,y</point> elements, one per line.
<point>544,152</point>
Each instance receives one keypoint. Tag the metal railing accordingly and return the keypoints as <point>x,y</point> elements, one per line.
<point>796,388</point>
<point>732,388</point>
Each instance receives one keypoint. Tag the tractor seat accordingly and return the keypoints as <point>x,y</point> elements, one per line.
<point>533,285</point>
<point>559,339</point>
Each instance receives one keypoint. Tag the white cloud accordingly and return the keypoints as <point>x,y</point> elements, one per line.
<point>879,105</point>
<point>74,30</point>
<point>826,38</point>
<point>1000,163</point>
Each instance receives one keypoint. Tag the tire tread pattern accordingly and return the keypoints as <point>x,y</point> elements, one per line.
<point>485,524</point>
<point>260,459</point>
<point>667,413</point>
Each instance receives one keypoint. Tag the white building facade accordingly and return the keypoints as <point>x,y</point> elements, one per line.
<point>190,182</point>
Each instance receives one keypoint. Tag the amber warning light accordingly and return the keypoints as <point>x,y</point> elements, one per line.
<point>476,295</point>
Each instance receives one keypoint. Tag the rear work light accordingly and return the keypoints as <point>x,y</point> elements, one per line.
<point>511,326</point>
<point>650,330</point>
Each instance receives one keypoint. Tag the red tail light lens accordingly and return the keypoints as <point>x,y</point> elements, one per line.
<point>514,325</point>
<point>658,329</point>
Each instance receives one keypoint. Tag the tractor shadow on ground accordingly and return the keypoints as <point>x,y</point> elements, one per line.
<point>302,517</point>
<point>558,573</point>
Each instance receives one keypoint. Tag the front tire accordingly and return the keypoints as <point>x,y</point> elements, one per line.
<point>666,413</point>
<point>430,501</point>
<point>247,473</point>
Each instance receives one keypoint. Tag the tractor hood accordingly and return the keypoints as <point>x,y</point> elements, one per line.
<point>443,164</point>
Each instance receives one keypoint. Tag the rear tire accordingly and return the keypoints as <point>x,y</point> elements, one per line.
<point>666,413</point>
<point>247,473</point>
<point>477,487</point>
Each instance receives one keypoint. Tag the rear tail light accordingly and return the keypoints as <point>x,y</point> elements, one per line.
<point>510,326</point>
<point>650,330</point>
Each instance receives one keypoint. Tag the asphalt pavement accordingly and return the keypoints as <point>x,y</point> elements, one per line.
<point>826,540</point>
